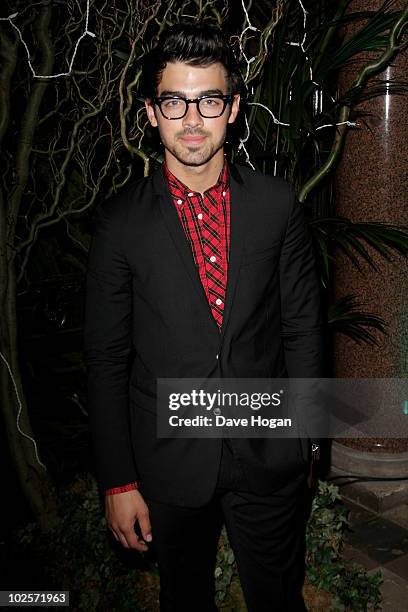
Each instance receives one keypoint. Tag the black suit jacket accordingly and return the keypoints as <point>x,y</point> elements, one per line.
<point>147,317</point>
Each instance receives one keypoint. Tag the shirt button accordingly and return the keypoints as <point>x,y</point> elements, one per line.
<point>217,411</point>
<point>213,258</point>
<point>200,216</point>
<point>218,302</point>
<point>190,194</point>
<point>179,202</point>
<point>224,193</point>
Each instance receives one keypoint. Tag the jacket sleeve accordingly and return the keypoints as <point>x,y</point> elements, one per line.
<point>302,329</point>
<point>107,344</point>
<point>300,299</point>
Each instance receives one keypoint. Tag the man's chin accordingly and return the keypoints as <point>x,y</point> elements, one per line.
<point>194,158</point>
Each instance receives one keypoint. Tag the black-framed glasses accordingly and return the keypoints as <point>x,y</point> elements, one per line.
<point>209,107</point>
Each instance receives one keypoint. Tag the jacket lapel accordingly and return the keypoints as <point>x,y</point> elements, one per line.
<point>178,236</point>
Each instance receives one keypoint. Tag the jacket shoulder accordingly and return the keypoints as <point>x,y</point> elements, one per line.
<point>268,195</point>
<point>120,204</point>
<point>256,181</point>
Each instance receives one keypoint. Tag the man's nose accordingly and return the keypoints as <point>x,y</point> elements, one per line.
<point>192,118</point>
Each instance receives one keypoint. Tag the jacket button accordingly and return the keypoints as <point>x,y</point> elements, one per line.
<point>216,356</point>
<point>217,411</point>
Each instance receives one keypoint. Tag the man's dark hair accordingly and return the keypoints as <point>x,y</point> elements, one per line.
<point>196,44</point>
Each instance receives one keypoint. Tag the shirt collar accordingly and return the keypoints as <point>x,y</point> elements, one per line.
<point>180,190</point>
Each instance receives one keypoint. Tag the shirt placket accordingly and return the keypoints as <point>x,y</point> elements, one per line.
<point>213,255</point>
<point>195,207</point>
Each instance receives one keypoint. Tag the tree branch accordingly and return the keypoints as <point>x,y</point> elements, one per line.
<point>30,118</point>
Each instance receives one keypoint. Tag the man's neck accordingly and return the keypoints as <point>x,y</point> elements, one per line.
<point>197,178</point>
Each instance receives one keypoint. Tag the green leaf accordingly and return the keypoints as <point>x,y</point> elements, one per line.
<point>346,317</point>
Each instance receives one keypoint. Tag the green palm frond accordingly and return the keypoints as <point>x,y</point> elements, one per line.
<point>354,237</point>
<point>372,36</point>
<point>347,316</point>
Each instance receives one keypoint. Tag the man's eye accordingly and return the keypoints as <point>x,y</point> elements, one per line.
<point>173,103</point>
<point>211,102</point>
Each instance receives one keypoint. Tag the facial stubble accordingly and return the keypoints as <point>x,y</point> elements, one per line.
<point>193,155</point>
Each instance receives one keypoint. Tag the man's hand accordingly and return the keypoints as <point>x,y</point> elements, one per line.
<point>122,511</point>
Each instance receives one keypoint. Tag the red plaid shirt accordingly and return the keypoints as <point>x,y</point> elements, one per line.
<point>206,222</point>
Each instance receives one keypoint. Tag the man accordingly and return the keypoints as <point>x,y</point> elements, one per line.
<point>201,270</point>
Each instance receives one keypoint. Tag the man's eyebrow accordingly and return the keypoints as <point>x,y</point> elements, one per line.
<point>182,94</point>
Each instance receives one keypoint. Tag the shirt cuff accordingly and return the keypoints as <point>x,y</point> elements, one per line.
<point>122,489</point>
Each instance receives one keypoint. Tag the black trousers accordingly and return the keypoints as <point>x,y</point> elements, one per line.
<point>266,533</point>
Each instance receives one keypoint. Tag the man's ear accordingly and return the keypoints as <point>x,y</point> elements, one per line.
<point>234,108</point>
<point>150,112</point>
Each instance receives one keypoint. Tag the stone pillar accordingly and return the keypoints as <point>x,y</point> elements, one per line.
<point>372,185</point>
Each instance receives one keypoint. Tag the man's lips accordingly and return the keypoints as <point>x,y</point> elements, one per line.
<point>189,139</point>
